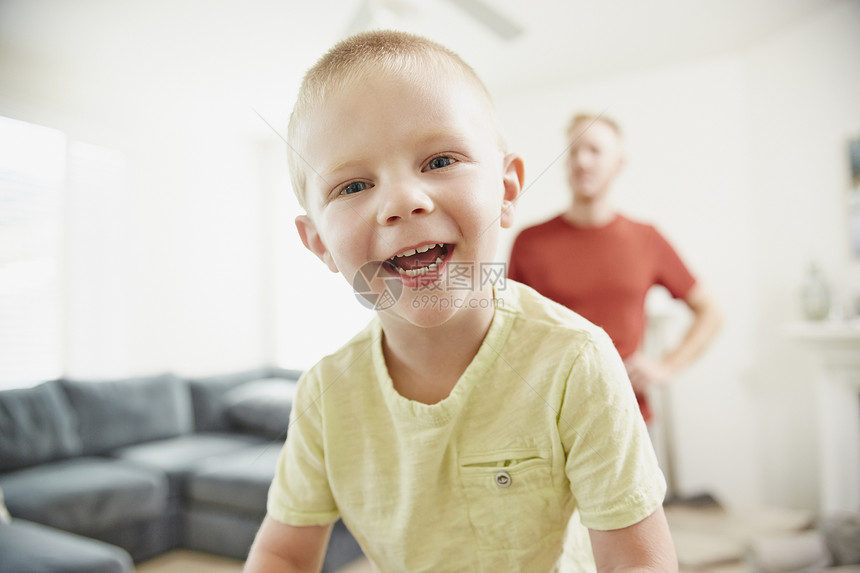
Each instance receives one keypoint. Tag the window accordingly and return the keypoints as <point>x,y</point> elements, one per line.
<point>32,180</point>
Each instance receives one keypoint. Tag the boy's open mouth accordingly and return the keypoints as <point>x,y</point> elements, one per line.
<point>420,261</point>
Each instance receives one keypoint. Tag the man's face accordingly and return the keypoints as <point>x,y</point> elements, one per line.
<point>409,180</point>
<point>594,160</point>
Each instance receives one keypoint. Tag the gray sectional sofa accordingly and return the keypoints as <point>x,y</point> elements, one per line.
<point>98,475</point>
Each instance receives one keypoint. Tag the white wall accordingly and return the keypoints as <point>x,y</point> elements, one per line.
<point>740,161</point>
<point>804,101</point>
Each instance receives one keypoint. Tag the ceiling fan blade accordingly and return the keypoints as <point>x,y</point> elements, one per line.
<point>490,17</point>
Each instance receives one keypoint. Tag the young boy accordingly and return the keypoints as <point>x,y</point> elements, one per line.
<point>461,429</point>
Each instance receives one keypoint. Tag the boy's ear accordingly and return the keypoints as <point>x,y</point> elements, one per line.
<point>313,241</point>
<point>513,177</point>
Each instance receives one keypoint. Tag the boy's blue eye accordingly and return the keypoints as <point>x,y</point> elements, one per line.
<point>353,187</point>
<point>440,162</point>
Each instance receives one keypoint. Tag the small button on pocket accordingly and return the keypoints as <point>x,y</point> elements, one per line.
<point>503,479</point>
<point>512,500</point>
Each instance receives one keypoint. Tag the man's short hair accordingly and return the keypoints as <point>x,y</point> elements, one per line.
<point>592,117</point>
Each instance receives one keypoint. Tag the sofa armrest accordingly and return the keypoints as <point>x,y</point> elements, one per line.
<point>210,400</point>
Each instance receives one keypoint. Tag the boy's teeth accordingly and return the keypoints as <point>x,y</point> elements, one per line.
<point>423,249</point>
<point>422,270</point>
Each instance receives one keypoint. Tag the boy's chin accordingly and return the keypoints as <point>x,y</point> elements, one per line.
<point>431,308</point>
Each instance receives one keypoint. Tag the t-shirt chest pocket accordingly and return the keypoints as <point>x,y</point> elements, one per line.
<point>512,499</point>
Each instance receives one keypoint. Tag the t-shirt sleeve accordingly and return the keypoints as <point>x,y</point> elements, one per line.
<point>671,272</point>
<point>299,493</point>
<point>611,465</point>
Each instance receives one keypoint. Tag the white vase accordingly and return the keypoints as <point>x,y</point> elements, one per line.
<point>815,294</point>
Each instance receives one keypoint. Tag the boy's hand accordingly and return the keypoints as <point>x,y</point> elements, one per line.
<point>645,372</point>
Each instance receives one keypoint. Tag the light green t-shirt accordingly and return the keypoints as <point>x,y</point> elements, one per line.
<point>542,422</point>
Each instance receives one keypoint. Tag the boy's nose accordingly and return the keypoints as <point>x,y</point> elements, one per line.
<point>402,201</point>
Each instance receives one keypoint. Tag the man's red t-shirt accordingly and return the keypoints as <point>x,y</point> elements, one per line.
<point>602,273</point>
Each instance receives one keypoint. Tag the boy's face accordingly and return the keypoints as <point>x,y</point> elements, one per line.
<point>410,185</point>
<point>594,160</point>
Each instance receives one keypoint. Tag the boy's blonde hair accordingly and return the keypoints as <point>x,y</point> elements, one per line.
<point>354,57</point>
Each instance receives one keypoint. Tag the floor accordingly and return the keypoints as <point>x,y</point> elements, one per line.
<point>708,539</point>
<point>183,561</point>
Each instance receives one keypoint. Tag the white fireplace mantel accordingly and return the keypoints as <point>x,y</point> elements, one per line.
<point>835,348</point>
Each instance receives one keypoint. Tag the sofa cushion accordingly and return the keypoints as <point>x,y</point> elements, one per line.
<point>34,548</point>
<point>207,395</point>
<point>179,456</point>
<point>219,532</point>
<point>117,413</point>
<point>261,406</point>
<point>184,453</point>
<point>36,425</point>
<point>85,495</point>
<point>237,481</point>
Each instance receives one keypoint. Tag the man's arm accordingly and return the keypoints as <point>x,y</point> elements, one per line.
<point>643,546</point>
<point>645,372</point>
<point>288,549</point>
<point>706,323</point>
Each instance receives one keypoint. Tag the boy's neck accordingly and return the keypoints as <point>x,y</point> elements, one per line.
<point>426,363</point>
